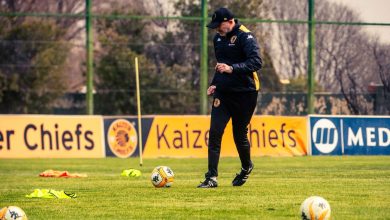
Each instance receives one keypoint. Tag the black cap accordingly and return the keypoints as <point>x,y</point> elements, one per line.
<point>219,16</point>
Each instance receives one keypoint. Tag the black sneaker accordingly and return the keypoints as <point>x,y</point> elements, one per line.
<point>208,183</point>
<point>241,177</point>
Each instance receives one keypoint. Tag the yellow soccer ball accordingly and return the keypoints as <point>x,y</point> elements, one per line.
<point>315,208</point>
<point>162,176</point>
<point>12,213</point>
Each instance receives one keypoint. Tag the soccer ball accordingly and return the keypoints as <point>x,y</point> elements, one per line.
<point>12,213</point>
<point>315,208</point>
<point>162,176</point>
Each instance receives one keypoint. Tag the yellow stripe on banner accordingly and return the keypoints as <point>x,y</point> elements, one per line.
<point>257,81</point>
<point>244,29</point>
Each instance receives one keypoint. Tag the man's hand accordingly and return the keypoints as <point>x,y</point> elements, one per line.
<point>211,90</point>
<point>223,68</point>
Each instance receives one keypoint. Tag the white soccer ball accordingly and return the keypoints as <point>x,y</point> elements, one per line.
<point>162,176</point>
<point>12,213</point>
<point>315,208</point>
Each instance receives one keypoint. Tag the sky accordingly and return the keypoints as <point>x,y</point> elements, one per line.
<point>372,11</point>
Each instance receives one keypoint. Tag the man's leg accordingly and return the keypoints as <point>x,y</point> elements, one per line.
<point>240,132</point>
<point>240,120</point>
<point>219,118</point>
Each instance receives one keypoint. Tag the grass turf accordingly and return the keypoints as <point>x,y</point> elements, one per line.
<point>356,188</point>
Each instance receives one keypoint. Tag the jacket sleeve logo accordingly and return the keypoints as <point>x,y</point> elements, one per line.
<point>233,39</point>
<point>217,102</point>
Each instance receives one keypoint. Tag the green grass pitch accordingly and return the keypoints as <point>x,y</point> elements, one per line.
<point>356,188</point>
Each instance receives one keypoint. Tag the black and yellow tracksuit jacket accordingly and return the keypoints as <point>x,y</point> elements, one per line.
<point>240,50</point>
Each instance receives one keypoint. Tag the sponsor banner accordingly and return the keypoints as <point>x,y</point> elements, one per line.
<point>178,136</point>
<point>350,135</point>
<point>49,136</point>
<point>278,136</point>
<point>187,136</point>
<point>121,135</point>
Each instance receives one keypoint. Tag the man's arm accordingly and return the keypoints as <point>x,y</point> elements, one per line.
<point>253,60</point>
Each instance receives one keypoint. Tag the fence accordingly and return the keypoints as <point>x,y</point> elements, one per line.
<point>268,104</point>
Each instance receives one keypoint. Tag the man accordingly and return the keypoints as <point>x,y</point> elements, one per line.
<point>234,87</point>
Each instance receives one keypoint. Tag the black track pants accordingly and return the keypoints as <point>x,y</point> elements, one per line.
<point>239,107</point>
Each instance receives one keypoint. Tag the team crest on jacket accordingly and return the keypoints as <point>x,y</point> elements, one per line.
<point>233,39</point>
<point>217,102</point>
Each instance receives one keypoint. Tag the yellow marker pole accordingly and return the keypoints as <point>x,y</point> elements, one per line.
<point>139,111</point>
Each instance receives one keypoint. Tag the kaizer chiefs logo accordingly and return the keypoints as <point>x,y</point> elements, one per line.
<point>217,102</point>
<point>122,138</point>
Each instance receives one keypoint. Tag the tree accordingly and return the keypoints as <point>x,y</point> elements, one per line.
<point>45,6</point>
<point>162,86</point>
<point>286,42</point>
<point>289,52</point>
<point>344,61</point>
<point>31,74</point>
<point>299,84</point>
<point>381,55</point>
<point>190,32</point>
<point>70,32</point>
